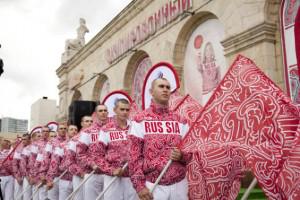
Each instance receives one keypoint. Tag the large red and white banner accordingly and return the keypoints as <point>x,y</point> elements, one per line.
<point>248,123</point>
<point>185,106</point>
<point>297,38</point>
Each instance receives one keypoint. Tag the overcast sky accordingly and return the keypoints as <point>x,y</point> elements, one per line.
<point>32,35</point>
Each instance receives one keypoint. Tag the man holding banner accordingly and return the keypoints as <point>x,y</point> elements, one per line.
<point>55,176</point>
<point>50,162</point>
<point>18,183</point>
<point>38,173</point>
<point>75,168</point>
<point>85,153</point>
<point>113,149</point>
<point>7,180</point>
<point>24,167</point>
<point>154,137</point>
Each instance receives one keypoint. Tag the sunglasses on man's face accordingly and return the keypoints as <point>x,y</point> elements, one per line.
<point>88,120</point>
<point>62,128</point>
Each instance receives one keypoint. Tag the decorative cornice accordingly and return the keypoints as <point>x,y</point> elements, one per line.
<point>61,70</point>
<point>124,17</point>
<point>264,32</point>
<point>62,86</point>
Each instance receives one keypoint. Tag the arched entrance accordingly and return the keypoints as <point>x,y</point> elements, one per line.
<point>135,74</point>
<point>199,52</point>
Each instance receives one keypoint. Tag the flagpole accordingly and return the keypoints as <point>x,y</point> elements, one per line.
<point>251,186</point>
<point>110,183</point>
<point>10,153</point>
<point>58,178</point>
<point>81,184</point>
<point>161,175</point>
<point>37,189</point>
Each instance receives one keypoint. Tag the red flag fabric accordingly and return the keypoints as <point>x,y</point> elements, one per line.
<point>289,178</point>
<point>175,100</point>
<point>247,123</point>
<point>185,106</point>
<point>297,38</point>
<point>134,110</point>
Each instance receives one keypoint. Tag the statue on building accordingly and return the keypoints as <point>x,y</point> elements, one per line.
<point>72,46</point>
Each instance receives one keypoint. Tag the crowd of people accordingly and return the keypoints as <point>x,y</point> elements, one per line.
<point>108,158</point>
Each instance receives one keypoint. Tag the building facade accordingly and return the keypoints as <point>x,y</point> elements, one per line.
<point>11,125</point>
<point>43,111</point>
<point>200,38</point>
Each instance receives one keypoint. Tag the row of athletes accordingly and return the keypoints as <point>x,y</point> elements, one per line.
<point>134,151</point>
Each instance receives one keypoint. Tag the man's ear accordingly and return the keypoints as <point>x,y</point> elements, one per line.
<point>151,91</point>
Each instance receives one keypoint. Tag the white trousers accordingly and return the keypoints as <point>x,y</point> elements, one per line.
<point>93,186</point>
<point>42,193</point>
<point>53,192</point>
<point>26,186</point>
<point>65,189</point>
<point>177,191</point>
<point>18,190</point>
<point>35,194</point>
<point>121,189</point>
<point>76,180</point>
<point>7,187</point>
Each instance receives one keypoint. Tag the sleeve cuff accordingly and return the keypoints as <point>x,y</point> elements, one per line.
<point>140,187</point>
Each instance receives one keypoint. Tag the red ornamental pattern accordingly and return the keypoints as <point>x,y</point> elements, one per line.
<point>149,155</point>
<point>113,150</point>
<point>248,122</point>
<point>289,178</point>
<point>297,38</point>
<point>24,162</point>
<point>56,163</point>
<point>6,164</point>
<point>134,110</point>
<point>185,106</point>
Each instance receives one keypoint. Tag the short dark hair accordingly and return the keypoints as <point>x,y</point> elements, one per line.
<point>84,117</point>
<point>26,135</point>
<point>121,100</point>
<point>159,78</point>
<point>99,105</point>
<point>45,126</point>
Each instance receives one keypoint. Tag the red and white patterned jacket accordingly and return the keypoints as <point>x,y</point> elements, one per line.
<point>16,162</point>
<point>34,150</point>
<point>112,148</point>
<point>5,163</point>
<point>69,161</point>
<point>24,162</point>
<point>86,150</point>
<point>56,160</point>
<point>47,152</point>
<point>153,134</point>
<point>39,158</point>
